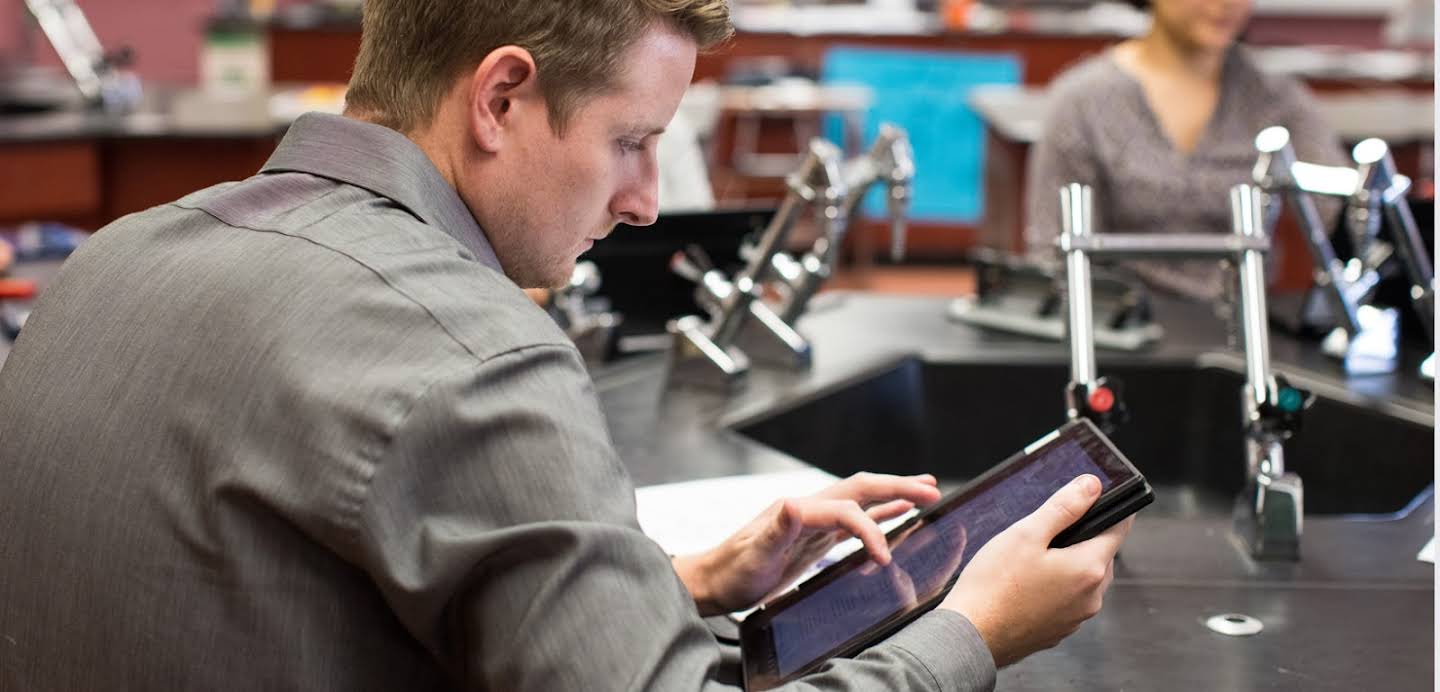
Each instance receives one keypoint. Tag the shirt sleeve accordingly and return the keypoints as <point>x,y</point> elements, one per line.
<point>500,528</point>
<point>1060,157</point>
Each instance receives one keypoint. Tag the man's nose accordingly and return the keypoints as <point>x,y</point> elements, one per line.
<point>638,204</point>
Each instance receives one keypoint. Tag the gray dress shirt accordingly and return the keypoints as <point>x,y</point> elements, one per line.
<point>300,432</point>
<point>1102,132</point>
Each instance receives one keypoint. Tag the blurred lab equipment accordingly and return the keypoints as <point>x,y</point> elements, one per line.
<point>889,162</point>
<point>1021,296</point>
<point>586,318</point>
<point>712,352</point>
<point>639,285</point>
<point>103,78</point>
<point>744,324</point>
<point>1365,336</point>
<point>1269,515</point>
<point>38,241</point>
<point>32,245</point>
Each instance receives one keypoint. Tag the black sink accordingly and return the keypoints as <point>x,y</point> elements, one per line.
<point>957,419</point>
<point>17,107</point>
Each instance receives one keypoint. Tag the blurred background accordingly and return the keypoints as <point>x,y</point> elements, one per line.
<point>198,92</point>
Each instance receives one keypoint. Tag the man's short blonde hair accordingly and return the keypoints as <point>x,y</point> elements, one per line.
<point>412,51</point>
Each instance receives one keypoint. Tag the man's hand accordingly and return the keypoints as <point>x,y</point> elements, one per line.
<point>1025,597</point>
<point>792,534</point>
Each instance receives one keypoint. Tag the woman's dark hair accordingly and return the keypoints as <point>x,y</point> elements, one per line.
<point>1141,4</point>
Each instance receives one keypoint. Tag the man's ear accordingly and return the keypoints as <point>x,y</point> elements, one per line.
<point>505,75</point>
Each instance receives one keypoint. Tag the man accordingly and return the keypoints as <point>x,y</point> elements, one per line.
<point>306,431</point>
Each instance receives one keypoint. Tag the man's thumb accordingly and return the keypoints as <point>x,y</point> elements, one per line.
<point>1065,507</point>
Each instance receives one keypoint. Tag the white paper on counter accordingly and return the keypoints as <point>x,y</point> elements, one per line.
<point>1427,554</point>
<point>695,516</point>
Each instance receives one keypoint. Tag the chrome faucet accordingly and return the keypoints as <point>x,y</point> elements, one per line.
<point>593,331</point>
<point>889,161</point>
<point>103,78</point>
<point>1383,188</point>
<point>1270,513</point>
<point>713,352</point>
<point>1366,337</point>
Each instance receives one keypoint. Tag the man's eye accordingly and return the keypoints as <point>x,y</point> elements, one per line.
<point>632,145</point>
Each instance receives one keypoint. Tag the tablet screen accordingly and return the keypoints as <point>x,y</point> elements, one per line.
<point>930,552</point>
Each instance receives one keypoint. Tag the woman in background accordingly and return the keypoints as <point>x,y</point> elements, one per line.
<point>1162,127</point>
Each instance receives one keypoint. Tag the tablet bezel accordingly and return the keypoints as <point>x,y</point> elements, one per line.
<point>1127,493</point>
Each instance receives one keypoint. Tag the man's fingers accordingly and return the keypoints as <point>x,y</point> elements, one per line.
<point>846,515</point>
<point>1064,508</point>
<point>890,510</point>
<point>787,523</point>
<point>871,488</point>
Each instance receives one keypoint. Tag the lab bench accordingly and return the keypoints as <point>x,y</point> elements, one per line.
<point>897,387</point>
<point>1356,612</point>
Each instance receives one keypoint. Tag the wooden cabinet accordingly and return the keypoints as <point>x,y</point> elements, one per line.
<point>50,180</point>
<point>91,182</point>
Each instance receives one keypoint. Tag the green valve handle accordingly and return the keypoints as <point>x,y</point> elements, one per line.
<point>1290,400</point>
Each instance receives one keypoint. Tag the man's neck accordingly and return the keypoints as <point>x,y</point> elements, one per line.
<point>440,153</point>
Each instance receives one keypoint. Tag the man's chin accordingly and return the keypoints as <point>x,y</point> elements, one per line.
<point>554,280</point>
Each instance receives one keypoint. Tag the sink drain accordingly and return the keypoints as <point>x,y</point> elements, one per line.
<point>1234,625</point>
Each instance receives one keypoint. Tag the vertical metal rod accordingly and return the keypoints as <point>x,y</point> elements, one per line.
<point>1411,248</point>
<point>1076,220</point>
<point>898,203</point>
<point>1328,268</point>
<point>1248,218</point>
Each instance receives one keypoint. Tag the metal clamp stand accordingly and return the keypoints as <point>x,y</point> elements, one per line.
<point>1382,186</point>
<point>1367,337</point>
<point>891,161</point>
<point>1270,513</point>
<point>705,351</point>
<point>593,332</point>
<point>103,78</point>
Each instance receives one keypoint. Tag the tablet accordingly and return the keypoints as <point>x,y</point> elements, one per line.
<point>855,603</point>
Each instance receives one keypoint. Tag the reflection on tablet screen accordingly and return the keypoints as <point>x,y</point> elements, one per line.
<point>925,559</point>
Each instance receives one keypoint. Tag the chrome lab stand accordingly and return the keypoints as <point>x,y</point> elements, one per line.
<point>1382,187</point>
<point>889,161</point>
<point>712,352</point>
<point>1366,337</point>
<point>103,78</point>
<point>593,331</point>
<point>1270,513</point>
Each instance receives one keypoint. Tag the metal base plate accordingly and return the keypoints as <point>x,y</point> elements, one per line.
<point>1016,319</point>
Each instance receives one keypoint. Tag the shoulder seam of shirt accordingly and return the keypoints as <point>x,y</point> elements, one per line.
<point>378,274</point>
<point>350,516</point>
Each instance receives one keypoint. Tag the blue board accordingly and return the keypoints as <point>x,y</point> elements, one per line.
<point>926,92</point>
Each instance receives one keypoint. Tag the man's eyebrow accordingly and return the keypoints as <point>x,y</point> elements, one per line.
<point>644,131</point>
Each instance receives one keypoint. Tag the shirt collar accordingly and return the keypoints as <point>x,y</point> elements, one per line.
<point>384,162</point>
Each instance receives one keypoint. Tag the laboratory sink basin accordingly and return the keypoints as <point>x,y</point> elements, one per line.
<point>955,420</point>
<point>17,107</point>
